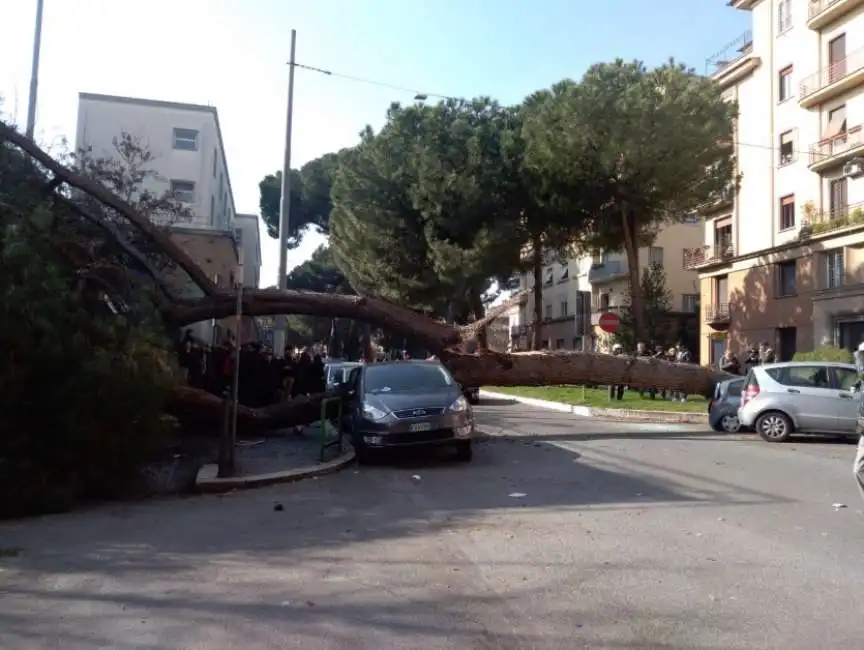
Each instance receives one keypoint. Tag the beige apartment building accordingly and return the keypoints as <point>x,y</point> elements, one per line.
<point>783,257</point>
<point>578,290</point>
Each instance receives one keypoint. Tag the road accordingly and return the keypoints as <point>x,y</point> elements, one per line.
<point>564,533</point>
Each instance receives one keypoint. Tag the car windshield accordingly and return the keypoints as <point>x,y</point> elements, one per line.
<point>339,374</point>
<point>406,378</point>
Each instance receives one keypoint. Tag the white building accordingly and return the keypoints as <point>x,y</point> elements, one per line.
<point>783,259</point>
<point>186,143</point>
<point>248,236</point>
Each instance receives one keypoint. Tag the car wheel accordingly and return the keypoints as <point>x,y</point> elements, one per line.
<point>774,426</point>
<point>464,451</point>
<point>730,424</point>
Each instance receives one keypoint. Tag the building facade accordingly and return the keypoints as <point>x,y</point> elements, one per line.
<point>248,236</point>
<point>185,141</point>
<point>188,162</point>
<point>578,290</point>
<point>782,259</point>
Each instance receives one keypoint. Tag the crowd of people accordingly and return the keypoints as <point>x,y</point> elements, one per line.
<point>678,353</point>
<point>755,356</point>
<point>263,378</point>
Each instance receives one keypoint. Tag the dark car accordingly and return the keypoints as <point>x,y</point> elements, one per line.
<point>723,407</point>
<point>403,404</point>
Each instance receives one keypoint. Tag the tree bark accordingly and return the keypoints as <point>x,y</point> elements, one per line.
<point>579,368</point>
<point>537,270</point>
<point>631,249</point>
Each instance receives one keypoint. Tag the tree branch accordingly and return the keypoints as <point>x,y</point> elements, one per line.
<point>105,196</point>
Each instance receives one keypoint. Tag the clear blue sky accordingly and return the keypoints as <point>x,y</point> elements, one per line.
<point>231,54</point>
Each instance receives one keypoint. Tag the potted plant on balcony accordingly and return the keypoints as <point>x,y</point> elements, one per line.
<point>808,217</point>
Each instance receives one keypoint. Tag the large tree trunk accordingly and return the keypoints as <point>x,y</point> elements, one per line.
<point>537,270</point>
<point>631,249</point>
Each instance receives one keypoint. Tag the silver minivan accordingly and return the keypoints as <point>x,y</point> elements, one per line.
<point>780,399</point>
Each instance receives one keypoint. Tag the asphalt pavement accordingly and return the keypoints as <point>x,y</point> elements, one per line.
<point>563,533</point>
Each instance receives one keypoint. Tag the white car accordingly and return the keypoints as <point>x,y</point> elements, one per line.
<point>780,399</point>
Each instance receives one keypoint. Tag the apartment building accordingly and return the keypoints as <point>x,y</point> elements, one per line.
<point>188,161</point>
<point>248,237</point>
<point>578,290</point>
<point>783,257</point>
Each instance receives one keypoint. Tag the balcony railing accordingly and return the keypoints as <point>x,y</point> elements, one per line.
<point>831,74</point>
<point>828,148</point>
<point>695,257</point>
<point>821,13</point>
<point>716,313</point>
<point>729,54</point>
<point>818,6</point>
<point>607,271</point>
<point>817,222</point>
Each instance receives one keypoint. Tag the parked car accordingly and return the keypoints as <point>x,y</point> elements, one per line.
<point>336,372</point>
<point>403,404</point>
<point>780,399</point>
<point>723,407</point>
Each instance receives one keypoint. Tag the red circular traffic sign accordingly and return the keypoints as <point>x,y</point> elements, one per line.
<point>609,322</point>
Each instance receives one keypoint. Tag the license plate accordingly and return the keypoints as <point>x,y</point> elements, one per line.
<point>420,426</point>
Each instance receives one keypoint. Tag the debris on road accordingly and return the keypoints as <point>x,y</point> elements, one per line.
<point>517,495</point>
<point>837,506</point>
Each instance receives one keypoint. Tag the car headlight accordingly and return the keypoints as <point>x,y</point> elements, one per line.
<point>373,413</point>
<point>461,404</point>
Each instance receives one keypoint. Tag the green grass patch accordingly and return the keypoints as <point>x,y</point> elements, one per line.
<point>599,398</point>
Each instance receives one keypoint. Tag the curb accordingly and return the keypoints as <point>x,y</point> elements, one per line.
<point>208,482</point>
<point>631,415</point>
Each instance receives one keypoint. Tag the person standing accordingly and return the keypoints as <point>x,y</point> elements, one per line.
<point>616,391</point>
<point>643,351</point>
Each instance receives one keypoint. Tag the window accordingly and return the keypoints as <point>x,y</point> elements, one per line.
<point>183,191</point>
<point>544,344</point>
<point>846,378</point>
<point>692,219</point>
<point>215,162</point>
<point>834,269</point>
<point>547,312</point>
<point>604,301</point>
<point>838,198</point>
<point>690,303</point>
<point>784,84</point>
<point>837,58</point>
<point>186,139</point>
<point>550,276</point>
<point>787,212</point>
<point>784,16</point>
<point>723,238</point>
<point>787,148</point>
<point>598,258</point>
<point>564,273</point>
<point>238,235</point>
<point>559,344</point>
<point>786,279</point>
<point>836,124</point>
<point>721,289</point>
<point>655,256</point>
<point>804,376</point>
<point>564,308</point>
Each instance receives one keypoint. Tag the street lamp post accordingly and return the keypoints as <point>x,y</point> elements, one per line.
<point>285,202</point>
<point>34,72</point>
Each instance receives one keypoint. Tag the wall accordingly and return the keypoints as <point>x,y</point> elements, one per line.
<point>101,118</point>
<point>250,244</point>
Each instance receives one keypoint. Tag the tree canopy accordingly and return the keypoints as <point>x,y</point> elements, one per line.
<point>654,144</point>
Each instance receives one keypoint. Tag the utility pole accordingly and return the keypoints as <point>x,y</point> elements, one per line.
<point>34,72</point>
<point>285,203</point>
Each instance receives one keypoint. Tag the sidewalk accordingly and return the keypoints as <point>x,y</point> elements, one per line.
<point>630,415</point>
<point>279,459</point>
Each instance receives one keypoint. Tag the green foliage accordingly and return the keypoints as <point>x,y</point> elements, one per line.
<point>649,146</point>
<point>310,197</point>
<point>825,353</point>
<point>84,376</point>
<point>658,304</point>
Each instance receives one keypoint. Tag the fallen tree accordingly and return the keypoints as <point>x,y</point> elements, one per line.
<point>454,345</point>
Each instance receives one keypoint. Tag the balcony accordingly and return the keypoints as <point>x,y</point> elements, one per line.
<point>705,256</point>
<point>717,314</point>
<point>822,13</point>
<point>833,152</point>
<point>608,271</point>
<point>734,62</point>
<point>724,202</point>
<point>831,81</point>
<point>820,222</point>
